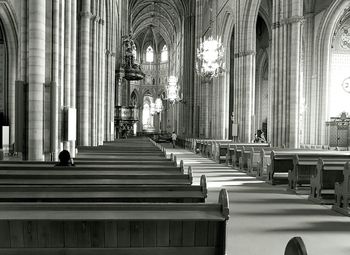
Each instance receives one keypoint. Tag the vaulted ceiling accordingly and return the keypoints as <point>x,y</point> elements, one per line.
<point>156,21</point>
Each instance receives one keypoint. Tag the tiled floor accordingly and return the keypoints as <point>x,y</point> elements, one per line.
<point>264,217</point>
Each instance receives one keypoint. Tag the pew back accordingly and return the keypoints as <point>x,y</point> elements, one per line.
<point>114,228</point>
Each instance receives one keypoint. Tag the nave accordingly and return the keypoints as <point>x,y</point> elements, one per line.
<point>264,217</point>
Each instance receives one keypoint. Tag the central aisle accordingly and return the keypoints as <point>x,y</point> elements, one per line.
<point>264,217</point>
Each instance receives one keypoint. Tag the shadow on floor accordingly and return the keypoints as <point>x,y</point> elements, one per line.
<point>324,226</point>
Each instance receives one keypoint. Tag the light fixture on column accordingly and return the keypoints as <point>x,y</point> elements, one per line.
<point>172,90</point>
<point>210,55</point>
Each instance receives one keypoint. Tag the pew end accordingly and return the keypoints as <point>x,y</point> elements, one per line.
<point>295,246</point>
<point>224,201</point>
<point>203,184</point>
<point>190,175</point>
<point>342,192</point>
<point>182,169</point>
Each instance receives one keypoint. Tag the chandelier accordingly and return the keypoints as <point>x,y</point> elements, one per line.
<point>210,55</point>
<point>172,90</point>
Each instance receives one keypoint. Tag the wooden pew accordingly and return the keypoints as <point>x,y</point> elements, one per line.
<point>206,148</point>
<point>253,158</point>
<point>237,150</point>
<point>342,192</point>
<point>323,182</point>
<point>101,193</point>
<point>114,228</point>
<point>295,246</point>
<point>304,166</point>
<point>282,162</point>
<point>66,175</point>
<point>220,150</point>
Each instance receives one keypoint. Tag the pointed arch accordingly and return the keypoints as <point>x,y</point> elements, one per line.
<point>324,37</point>
<point>10,30</point>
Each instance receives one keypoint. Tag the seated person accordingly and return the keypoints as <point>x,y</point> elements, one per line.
<point>65,159</point>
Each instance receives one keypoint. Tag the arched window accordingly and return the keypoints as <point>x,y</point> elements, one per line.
<point>149,54</point>
<point>164,55</point>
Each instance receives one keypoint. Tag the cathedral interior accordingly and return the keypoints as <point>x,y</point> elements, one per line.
<point>254,95</point>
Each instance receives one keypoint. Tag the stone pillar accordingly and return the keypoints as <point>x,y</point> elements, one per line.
<point>84,102</point>
<point>73,64</point>
<point>67,61</point>
<point>54,83</point>
<point>286,45</point>
<point>188,120</point>
<point>295,48</point>
<point>103,81</point>
<point>205,107</point>
<point>94,78</point>
<point>37,16</point>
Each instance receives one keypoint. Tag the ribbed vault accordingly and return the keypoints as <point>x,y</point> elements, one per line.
<point>155,22</point>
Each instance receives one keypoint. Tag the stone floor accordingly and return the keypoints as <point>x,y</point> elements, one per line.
<point>264,217</point>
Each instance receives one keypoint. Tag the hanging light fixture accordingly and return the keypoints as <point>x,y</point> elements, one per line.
<point>210,55</point>
<point>172,90</point>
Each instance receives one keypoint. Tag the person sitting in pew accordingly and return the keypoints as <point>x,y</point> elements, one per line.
<point>65,159</point>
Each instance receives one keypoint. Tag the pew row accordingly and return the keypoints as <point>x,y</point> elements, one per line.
<point>65,175</point>
<point>235,151</point>
<point>282,162</point>
<point>109,193</point>
<point>322,184</point>
<point>114,228</point>
<point>342,192</point>
<point>304,166</point>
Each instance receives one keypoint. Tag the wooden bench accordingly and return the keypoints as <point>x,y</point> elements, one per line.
<point>237,151</point>
<point>282,162</point>
<point>304,166</point>
<point>101,193</point>
<point>295,246</point>
<point>206,148</point>
<point>114,228</point>
<point>265,160</point>
<point>322,183</point>
<point>342,192</point>
<point>220,150</point>
<point>71,176</point>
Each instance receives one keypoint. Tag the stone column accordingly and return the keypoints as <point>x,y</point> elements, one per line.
<point>84,102</point>
<point>103,81</point>
<point>73,64</point>
<point>94,78</point>
<point>37,16</point>
<point>295,47</point>
<point>188,120</point>
<point>54,84</point>
<point>67,61</point>
<point>286,43</point>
